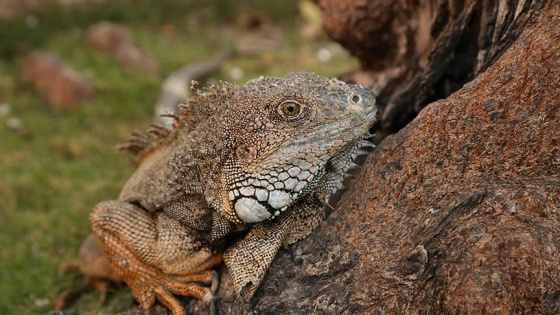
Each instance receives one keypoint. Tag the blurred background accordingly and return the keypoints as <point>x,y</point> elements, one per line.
<point>77,76</point>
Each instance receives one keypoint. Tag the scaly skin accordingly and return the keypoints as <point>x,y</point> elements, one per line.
<point>258,159</point>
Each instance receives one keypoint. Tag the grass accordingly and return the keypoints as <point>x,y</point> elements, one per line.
<point>61,163</point>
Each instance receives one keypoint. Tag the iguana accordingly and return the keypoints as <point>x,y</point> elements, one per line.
<point>244,171</point>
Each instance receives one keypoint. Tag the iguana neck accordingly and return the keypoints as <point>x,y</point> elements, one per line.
<point>197,156</point>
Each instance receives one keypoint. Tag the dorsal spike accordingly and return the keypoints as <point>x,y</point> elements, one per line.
<point>170,115</point>
<point>205,103</point>
<point>196,87</point>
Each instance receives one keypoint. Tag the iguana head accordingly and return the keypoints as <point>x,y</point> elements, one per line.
<point>288,137</point>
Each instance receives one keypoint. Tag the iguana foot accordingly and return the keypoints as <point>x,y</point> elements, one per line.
<point>155,255</point>
<point>148,283</point>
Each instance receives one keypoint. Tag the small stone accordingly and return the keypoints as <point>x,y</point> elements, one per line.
<point>118,41</point>
<point>14,123</point>
<point>58,84</point>
<point>5,109</point>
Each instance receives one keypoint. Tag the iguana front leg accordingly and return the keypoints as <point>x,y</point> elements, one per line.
<point>249,258</point>
<point>155,255</point>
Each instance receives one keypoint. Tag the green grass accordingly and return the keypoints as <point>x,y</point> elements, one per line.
<point>61,163</point>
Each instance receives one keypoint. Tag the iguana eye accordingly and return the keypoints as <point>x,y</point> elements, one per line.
<point>289,109</point>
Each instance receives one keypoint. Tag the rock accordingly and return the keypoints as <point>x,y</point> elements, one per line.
<point>58,84</point>
<point>118,41</point>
